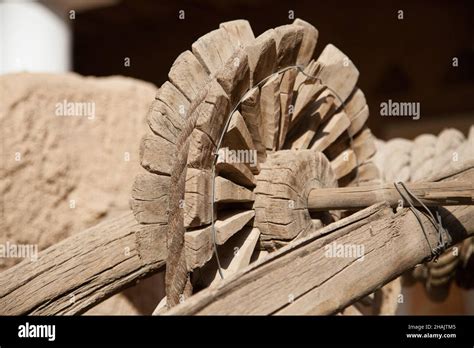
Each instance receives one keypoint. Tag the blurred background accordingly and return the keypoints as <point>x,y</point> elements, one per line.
<point>409,59</point>
<point>427,56</point>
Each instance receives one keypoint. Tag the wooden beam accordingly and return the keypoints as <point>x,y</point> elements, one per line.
<point>303,278</point>
<point>74,275</point>
<point>430,193</point>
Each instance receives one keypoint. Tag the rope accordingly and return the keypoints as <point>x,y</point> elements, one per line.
<point>443,237</point>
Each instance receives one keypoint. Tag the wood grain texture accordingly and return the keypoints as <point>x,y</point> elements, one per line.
<point>313,116</point>
<point>288,41</point>
<point>149,199</point>
<point>199,245</point>
<point>197,198</point>
<point>262,53</point>
<point>213,50</point>
<point>168,112</point>
<point>317,284</point>
<point>228,192</point>
<point>281,194</point>
<point>330,131</point>
<point>344,164</point>
<point>72,276</point>
<point>236,172</point>
<point>230,222</point>
<point>234,77</point>
<point>429,193</point>
<point>238,136</point>
<point>239,31</point>
<point>251,112</point>
<point>188,75</point>
<point>270,111</point>
<point>286,100</point>
<point>364,145</point>
<point>213,111</point>
<point>156,154</point>
<point>234,255</point>
<point>308,44</point>
<point>337,72</point>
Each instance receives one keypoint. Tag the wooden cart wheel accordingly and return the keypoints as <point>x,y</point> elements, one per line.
<point>265,100</point>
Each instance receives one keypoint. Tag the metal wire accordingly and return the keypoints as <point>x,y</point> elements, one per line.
<point>443,237</point>
<point>300,68</point>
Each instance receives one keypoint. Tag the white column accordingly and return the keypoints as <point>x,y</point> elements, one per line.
<point>33,37</point>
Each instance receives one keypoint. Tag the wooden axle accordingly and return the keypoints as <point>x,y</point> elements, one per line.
<point>430,193</point>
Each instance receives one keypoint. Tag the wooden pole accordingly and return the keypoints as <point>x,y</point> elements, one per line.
<point>309,276</point>
<point>353,198</point>
<point>74,275</point>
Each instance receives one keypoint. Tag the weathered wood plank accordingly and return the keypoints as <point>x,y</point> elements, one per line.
<point>304,79</point>
<point>286,98</point>
<point>201,150</point>
<point>364,145</point>
<point>197,198</point>
<point>358,121</point>
<point>74,275</point>
<point>213,111</point>
<point>312,282</point>
<point>355,103</point>
<point>199,247</point>
<point>306,95</point>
